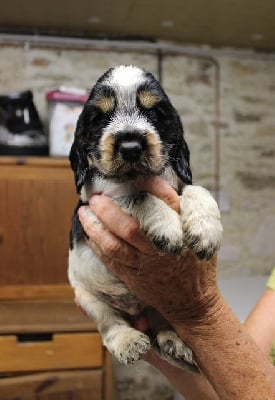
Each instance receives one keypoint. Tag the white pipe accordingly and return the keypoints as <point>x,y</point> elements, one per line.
<point>200,51</point>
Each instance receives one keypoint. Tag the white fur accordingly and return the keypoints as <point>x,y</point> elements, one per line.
<point>126,76</point>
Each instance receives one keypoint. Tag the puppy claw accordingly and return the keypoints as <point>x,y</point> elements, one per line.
<point>133,346</point>
<point>165,245</point>
<point>202,251</point>
<point>206,254</point>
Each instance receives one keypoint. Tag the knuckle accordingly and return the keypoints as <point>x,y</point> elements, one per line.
<point>112,248</point>
<point>131,230</point>
<point>87,228</point>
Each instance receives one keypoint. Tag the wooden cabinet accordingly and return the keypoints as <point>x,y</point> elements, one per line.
<point>37,198</point>
<point>49,350</point>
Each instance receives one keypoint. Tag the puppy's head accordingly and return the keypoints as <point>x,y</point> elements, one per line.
<point>128,128</point>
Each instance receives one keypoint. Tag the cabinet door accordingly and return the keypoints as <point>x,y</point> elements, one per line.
<point>36,205</point>
<point>66,385</point>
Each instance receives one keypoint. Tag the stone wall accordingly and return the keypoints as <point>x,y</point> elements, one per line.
<point>247,130</point>
<point>246,146</point>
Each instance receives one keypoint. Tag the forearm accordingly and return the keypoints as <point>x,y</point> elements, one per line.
<point>228,356</point>
<point>191,385</point>
<point>261,322</point>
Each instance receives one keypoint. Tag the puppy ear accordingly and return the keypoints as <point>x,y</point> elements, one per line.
<point>79,163</point>
<point>180,162</point>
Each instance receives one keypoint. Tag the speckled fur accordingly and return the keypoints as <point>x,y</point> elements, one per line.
<point>127,107</point>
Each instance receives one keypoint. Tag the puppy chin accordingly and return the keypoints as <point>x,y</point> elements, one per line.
<point>125,171</point>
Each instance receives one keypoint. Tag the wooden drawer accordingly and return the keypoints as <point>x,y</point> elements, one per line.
<point>71,385</point>
<point>50,352</point>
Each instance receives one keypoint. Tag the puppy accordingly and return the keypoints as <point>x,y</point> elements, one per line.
<point>129,129</point>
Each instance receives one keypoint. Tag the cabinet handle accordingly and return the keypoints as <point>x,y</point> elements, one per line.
<point>1,235</point>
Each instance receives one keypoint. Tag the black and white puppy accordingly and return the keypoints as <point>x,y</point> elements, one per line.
<point>129,129</point>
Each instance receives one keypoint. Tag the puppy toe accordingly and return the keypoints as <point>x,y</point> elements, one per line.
<point>132,346</point>
<point>166,245</point>
<point>204,249</point>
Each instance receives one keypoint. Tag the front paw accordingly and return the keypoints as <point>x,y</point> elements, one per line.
<point>160,223</point>
<point>201,221</point>
<point>129,345</point>
<point>166,233</point>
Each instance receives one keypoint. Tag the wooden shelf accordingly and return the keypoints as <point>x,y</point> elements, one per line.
<point>38,316</point>
<point>51,162</point>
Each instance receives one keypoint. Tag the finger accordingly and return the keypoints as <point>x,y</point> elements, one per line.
<point>114,266</point>
<point>161,189</point>
<point>110,245</point>
<point>120,223</point>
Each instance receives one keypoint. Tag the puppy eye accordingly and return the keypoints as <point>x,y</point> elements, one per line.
<point>147,99</point>
<point>106,104</point>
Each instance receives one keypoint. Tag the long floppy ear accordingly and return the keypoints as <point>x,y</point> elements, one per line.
<point>79,162</point>
<point>180,162</point>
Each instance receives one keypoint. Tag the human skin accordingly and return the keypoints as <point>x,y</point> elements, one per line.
<point>185,291</point>
<point>261,321</point>
<point>261,326</point>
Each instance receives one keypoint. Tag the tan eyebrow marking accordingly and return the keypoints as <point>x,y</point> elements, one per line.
<point>147,98</point>
<point>106,104</point>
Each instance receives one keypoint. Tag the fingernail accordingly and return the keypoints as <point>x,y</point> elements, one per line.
<point>94,199</point>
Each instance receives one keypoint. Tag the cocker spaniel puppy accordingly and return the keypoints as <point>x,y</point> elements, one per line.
<point>128,129</point>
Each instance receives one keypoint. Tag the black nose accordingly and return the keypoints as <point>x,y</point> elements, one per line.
<point>130,150</point>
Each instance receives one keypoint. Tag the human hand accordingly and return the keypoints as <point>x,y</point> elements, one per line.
<point>180,287</point>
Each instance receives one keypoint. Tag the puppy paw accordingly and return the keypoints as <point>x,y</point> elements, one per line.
<point>160,223</point>
<point>201,221</point>
<point>173,349</point>
<point>129,345</point>
<point>172,346</point>
<point>166,233</point>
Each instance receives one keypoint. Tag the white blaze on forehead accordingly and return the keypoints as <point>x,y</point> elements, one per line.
<point>125,81</point>
<point>126,76</point>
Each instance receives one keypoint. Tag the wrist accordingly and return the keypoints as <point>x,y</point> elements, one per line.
<point>198,316</point>
<point>194,296</point>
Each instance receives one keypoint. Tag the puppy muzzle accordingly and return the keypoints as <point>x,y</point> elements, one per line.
<point>130,146</point>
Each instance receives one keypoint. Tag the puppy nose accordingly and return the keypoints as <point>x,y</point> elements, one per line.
<point>130,150</point>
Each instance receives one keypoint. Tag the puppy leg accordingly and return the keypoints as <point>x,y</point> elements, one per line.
<point>201,222</point>
<point>160,223</point>
<point>124,342</point>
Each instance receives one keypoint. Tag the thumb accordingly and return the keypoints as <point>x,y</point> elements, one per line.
<point>161,189</point>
